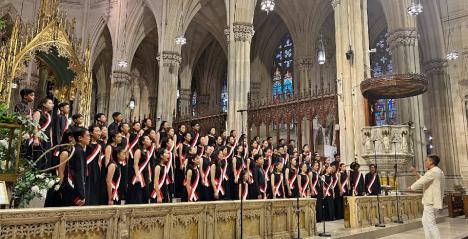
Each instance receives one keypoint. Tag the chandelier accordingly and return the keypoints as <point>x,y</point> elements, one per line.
<point>181,40</point>
<point>321,53</point>
<point>451,56</point>
<point>415,9</point>
<point>122,64</point>
<point>267,5</point>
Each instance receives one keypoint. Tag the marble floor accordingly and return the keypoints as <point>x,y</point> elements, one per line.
<point>452,228</point>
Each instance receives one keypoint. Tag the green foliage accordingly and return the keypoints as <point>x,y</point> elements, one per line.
<point>2,24</point>
<point>32,184</point>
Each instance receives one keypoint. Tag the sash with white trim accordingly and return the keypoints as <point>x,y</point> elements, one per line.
<point>291,180</point>
<point>245,191</point>
<point>246,150</point>
<point>151,153</point>
<point>169,178</point>
<point>140,170</point>
<point>265,171</point>
<point>277,186</point>
<point>132,144</point>
<point>195,140</point>
<point>182,160</point>
<point>205,175</point>
<point>314,183</point>
<point>327,186</point>
<point>369,187</point>
<point>232,150</point>
<point>263,190</point>
<point>93,155</point>
<point>160,183</point>
<point>238,171</point>
<point>356,182</point>
<point>193,195</point>
<point>115,187</point>
<point>224,171</point>
<point>219,182</point>
<point>46,125</point>
<point>69,176</point>
<point>335,181</point>
<point>343,184</point>
<point>304,186</point>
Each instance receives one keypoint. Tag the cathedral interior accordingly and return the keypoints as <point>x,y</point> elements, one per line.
<point>377,81</point>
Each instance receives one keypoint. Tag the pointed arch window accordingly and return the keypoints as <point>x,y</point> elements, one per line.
<point>194,103</point>
<point>224,98</point>
<point>283,68</point>
<point>384,110</point>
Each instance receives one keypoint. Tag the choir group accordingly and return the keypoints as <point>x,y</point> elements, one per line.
<point>133,163</point>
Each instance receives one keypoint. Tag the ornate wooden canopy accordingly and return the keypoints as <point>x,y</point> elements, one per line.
<point>394,86</point>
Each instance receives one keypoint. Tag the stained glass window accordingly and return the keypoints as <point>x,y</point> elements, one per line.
<point>224,98</point>
<point>194,103</point>
<point>282,74</point>
<point>384,110</point>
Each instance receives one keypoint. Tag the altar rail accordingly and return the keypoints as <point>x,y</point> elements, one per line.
<point>262,219</point>
<point>362,211</point>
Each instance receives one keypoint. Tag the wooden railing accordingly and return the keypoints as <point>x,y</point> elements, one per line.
<point>261,219</point>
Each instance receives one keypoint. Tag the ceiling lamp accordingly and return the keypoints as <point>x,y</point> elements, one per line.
<point>321,52</point>
<point>451,56</point>
<point>122,64</point>
<point>415,9</point>
<point>181,40</point>
<point>267,5</point>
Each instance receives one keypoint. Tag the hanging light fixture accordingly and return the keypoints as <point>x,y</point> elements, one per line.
<point>267,5</point>
<point>181,40</point>
<point>321,52</point>
<point>453,54</point>
<point>415,8</point>
<point>122,64</point>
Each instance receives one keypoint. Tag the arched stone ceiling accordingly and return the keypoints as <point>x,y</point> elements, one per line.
<point>103,60</point>
<point>146,26</point>
<point>144,59</point>
<point>376,19</point>
<point>212,16</point>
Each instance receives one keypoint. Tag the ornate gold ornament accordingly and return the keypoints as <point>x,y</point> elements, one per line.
<point>52,29</point>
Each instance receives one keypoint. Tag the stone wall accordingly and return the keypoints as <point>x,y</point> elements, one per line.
<point>262,219</point>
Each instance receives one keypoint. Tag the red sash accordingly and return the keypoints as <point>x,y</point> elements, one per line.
<point>231,150</point>
<point>277,185</point>
<point>237,171</point>
<point>265,171</point>
<point>193,195</point>
<point>195,140</point>
<point>151,152</point>
<point>115,187</point>
<point>327,186</point>
<point>45,125</point>
<point>219,183</point>
<point>356,182</point>
<point>93,155</point>
<point>246,151</point>
<point>314,183</point>
<point>224,172</point>
<point>142,167</point>
<point>160,184</point>
<point>205,176</point>
<point>343,184</point>
<point>70,178</point>
<point>369,187</point>
<point>304,186</point>
<point>245,191</point>
<point>132,144</point>
<point>263,190</point>
<point>168,167</point>
<point>291,181</point>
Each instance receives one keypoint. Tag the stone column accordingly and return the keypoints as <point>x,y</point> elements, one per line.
<point>405,57</point>
<point>305,65</point>
<point>185,103</point>
<point>119,93</point>
<point>239,74</point>
<point>351,31</point>
<point>167,90</point>
<point>441,121</point>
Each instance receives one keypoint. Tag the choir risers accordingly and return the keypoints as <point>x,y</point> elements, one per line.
<point>262,219</point>
<point>362,211</point>
<point>393,144</point>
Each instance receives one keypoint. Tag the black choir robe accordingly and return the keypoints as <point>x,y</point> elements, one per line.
<point>372,186</point>
<point>357,183</point>
<point>73,186</point>
<point>258,186</point>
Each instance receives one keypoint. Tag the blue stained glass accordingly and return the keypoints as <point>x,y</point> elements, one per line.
<point>224,98</point>
<point>277,88</point>
<point>282,75</point>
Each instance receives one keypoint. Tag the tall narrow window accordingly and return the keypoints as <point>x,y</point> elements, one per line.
<point>282,74</point>
<point>194,103</point>
<point>224,98</point>
<point>384,110</point>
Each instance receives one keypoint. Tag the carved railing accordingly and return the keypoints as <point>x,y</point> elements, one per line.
<point>218,121</point>
<point>362,211</point>
<point>261,219</point>
<point>287,109</point>
<point>393,145</point>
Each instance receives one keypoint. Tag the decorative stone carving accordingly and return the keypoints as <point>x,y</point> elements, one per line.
<point>435,66</point>
<point>392,145</point>
<point>121,78</point>
<point>305,63</point>
<point>169,59</point>
<point>243,32</point>
<point>362,211</point>
<point>403,37</point>
<point>182,220</point>
<point>335,3</point>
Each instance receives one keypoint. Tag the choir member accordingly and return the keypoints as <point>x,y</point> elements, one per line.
<point>372,180</point>
<point>77,121</point>
<point>217,170</point>
<point>139,174</point>
<point>44,118</point>
<point>101,120</point>
<point>231,147</point>
<point>118,118</point>
<point>61,122</point>
<point>276,181</point>
<point>259,183</point>
<point>328,194</point>
<point>316,189</point>
<point>195,134</point>
<point>181,133</point>
<point>268,170</point>
<point>303,181</point>
<point>93,167</point>
<point>343,190</point>
<point>160,193</point>
<point>22,108</point>
<point>124,130</point>
<point>357,180</point>
<point>238,165</point>
<point>212,137</point>
<point>192,178</point>
<point>162,133</point>
<point>206,193</point>
<point>181,164</point>
<point>291,173</point>
<point>147,124</point>
<point>243,185</point>
<point>115,184</point>
<point>73,187</point>
<point>104,135</point>
<point>219,142</point>
<point>115,138</point>
<point>306,155</point>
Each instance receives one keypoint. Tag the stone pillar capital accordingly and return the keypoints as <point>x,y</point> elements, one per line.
<point>305,63</point>
<point>120,78</point>
<point>227,33</point>
<point>402,37</point>
<point>335,3</point>
<point>243,32</point>
<point>435,66</point>
<point>169,59</point>
<point>185,94</point>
